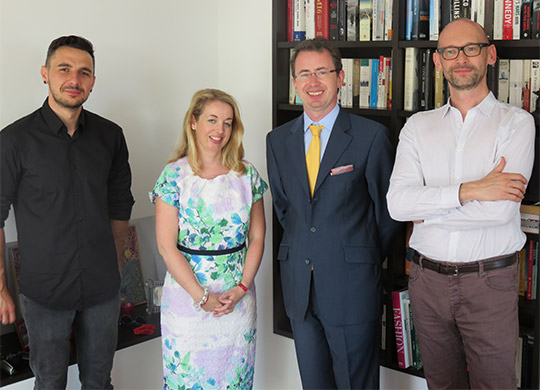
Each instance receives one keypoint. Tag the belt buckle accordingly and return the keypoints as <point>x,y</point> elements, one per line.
<point>456,270</point>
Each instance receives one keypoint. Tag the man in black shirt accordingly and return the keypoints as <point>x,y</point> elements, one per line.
<point>65,170</point>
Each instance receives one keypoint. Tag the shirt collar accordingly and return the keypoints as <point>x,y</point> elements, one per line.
<point>54,123</point>
<point>328,121</point>
<point>486,106</point>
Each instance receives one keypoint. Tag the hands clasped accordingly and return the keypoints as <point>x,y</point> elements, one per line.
<point>224,303</point>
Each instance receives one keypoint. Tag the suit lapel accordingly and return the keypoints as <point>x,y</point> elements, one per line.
<point>338,142</point>
<point>295,147</point>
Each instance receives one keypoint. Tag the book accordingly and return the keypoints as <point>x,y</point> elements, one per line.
<point>365,81</point>
<point>522,271</point>
<point>322,19</point>
<point>378,20</point>
<point>389,104</point>
<point>535,84</point>
<point>488,18</point>
<point>530,218</point>
<point>373,83</point>
<point>530,269</point>
<point>364,20</point>
<point>409,20</point>
<point>299,20</point>
<point>478,12</point>
<point>516,27</point>
<point>515,83</point>
<point>310,19</point>
<point>398,300</point>
<point>465,9</point>
<point>349,74</point>
<point>535,25</point>
<point>446,12</point>
<point>352,20</point>
<point>342,20</point>
<point>388,32</point>
<point>498,6</point>
<point>356,83</point>
<point>434,19</point>
<point>411,75</point>
<point>381,94</point>
<point>525,25</point>
<point>438,88</point>
<point>290,20</point>
<point>527,85</point>
<point>333,20</point>
<point>508,23</point>
<point>504,77</point>
<point>423,19</point>
<point>456,10</point>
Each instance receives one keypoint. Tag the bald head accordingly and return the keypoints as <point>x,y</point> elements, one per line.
<point>460,32</point>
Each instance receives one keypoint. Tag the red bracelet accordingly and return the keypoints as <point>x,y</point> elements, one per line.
<point>242,287</point>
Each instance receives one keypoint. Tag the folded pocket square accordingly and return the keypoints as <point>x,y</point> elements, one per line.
<point>341,170</point>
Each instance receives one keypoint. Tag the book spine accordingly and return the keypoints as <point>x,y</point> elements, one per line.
<point>352,20</point>
<point>456,10</point>
<point>498,6</point>
<point>481,13</point>
<point>428,96</point>
<point>446,11</point>
<point>398,327</point>
<point>434,19</point>
<point>515,91</point>
<point>516,27</point>
<point>374,78</point>
<point>356,83</point>
<point>349,79</point>
<point>530,268</point>
<point>410,101</point>
<point>342,20</point>
<point>409,20</point>
<point>322,19</point>
<point>423,19</point>
<point>522,271</point>
<point>504,74</point>
<point>508,14</point>
<point>438,95</point>
<point>299,31</point>
<point>310,19</point>
<point>378,20</point>
<point>365,77</point>
<point>535,84</point>
<point>381,97</point>
<point>364,20</point>
<point>388,32</point>
<point>333,20</point>
<point>525,29</point>
<point>290,20</point>
<point>488,18</point>
<point>535,26</point>
<point>465,11</point>
<point>527,85</point>
<point>415,19</point>
<point>389,104</point>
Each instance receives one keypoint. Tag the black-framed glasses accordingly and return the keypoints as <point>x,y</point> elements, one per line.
<point>320,74</point>
<point>470,50</point>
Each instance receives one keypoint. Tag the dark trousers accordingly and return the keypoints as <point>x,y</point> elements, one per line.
<point>95,330</point>
<point>467,327</point>
<point>336,357</point>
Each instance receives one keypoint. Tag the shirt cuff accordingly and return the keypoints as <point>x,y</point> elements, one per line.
<point>449,200</point>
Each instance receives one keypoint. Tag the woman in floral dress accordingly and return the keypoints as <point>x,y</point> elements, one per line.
<point>210,231</point>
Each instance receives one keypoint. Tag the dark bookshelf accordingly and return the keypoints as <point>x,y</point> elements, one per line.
<point>394,118</point>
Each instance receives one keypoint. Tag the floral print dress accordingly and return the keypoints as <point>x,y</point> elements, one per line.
<point>201,351</point>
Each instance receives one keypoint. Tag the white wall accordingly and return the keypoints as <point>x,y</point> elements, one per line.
<point>150,59</point>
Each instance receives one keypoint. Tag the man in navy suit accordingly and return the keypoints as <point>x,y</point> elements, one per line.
<point>337,230</point>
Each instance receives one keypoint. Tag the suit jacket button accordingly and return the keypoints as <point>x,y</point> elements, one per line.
<point>313,229</point>
<point>307,261</point>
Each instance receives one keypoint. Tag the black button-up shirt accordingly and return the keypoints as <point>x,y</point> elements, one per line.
<point>64,191</point>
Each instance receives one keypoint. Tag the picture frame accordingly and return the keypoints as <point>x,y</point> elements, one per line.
<point>154,289</point>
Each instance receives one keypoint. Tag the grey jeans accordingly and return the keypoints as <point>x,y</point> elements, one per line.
<point>95,331</point>
<point>467,327</point>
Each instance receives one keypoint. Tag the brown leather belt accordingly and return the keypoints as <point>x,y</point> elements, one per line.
<point>464,268</point>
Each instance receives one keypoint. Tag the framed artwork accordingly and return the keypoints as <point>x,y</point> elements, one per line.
<point>132,285</point>
<point>154,289</point>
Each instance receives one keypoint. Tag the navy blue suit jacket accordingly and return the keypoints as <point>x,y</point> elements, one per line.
<point>345,231</point>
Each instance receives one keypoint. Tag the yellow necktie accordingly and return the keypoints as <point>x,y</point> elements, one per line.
<point>313,156</point>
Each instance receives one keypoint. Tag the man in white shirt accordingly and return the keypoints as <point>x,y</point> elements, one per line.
<point>451,178</point>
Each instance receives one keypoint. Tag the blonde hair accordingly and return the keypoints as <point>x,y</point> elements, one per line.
<point>232,153</point>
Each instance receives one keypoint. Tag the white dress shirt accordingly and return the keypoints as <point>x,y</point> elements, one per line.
<point>438,151</point>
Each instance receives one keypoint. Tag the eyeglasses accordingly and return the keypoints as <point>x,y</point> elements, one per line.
<point>320,74</point>
<point>470,50</point>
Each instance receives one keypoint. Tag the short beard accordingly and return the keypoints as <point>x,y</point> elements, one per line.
<point>464,85</point>
<point>74,106</point>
